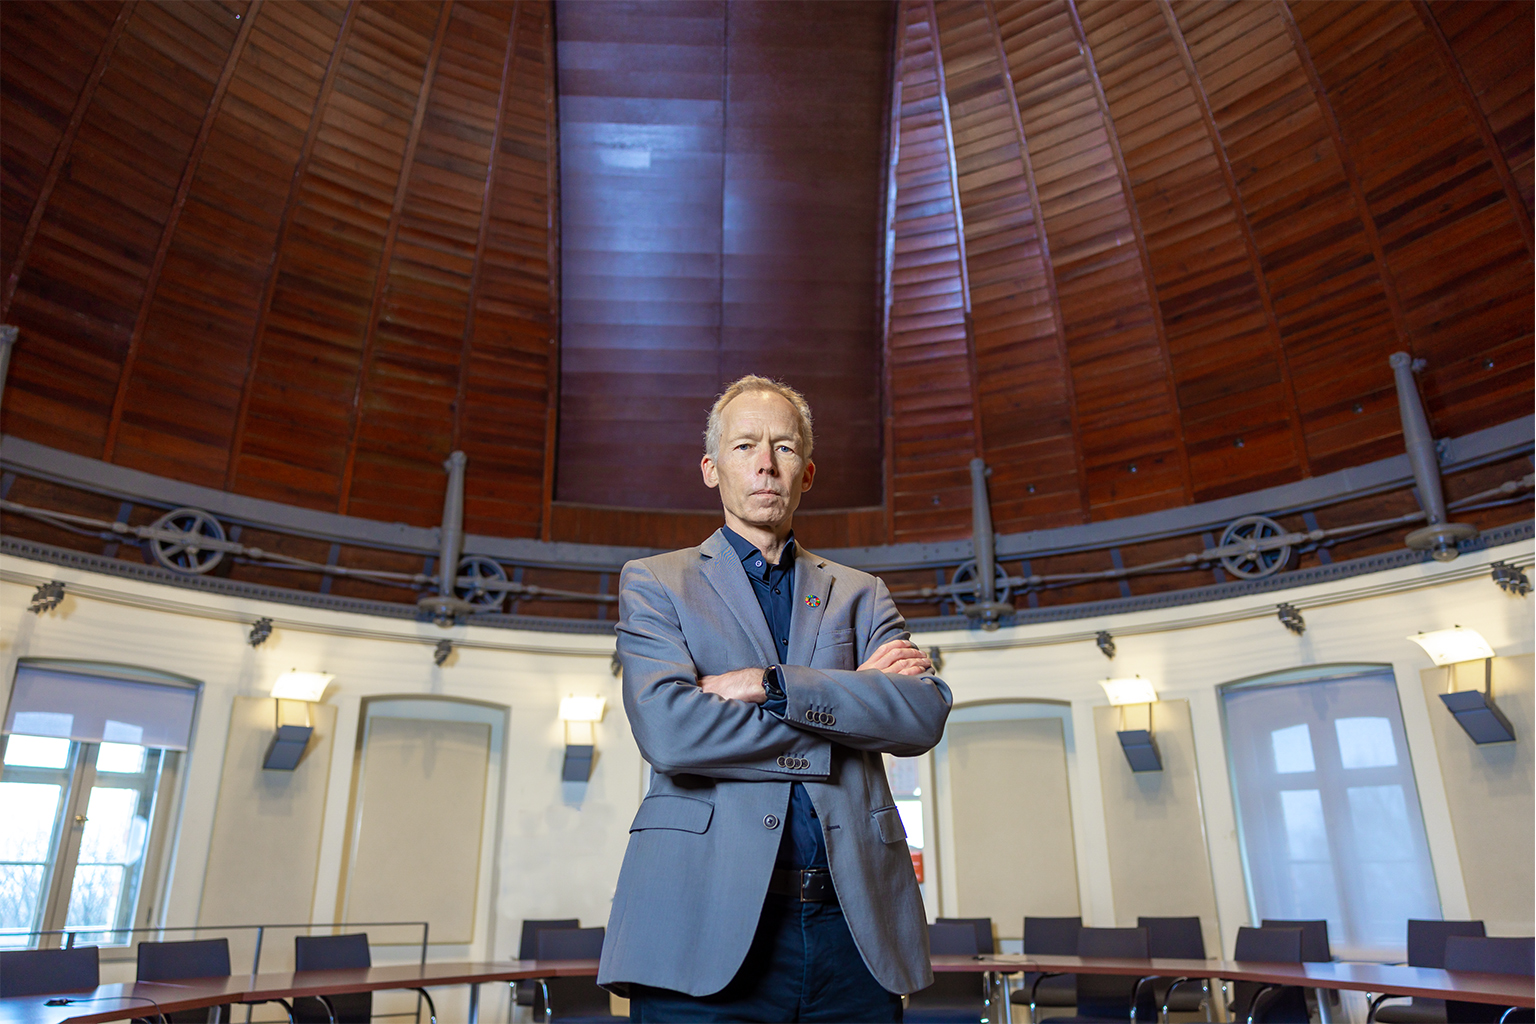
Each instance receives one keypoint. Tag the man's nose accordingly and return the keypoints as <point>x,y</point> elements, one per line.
<point>765,463</point>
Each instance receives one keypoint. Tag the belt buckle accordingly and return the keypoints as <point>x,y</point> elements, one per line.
<point>808,877</point>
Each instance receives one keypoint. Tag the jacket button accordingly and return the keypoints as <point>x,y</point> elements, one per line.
<point>831,719</point>
<point>781,761</point>
<point>810,716</point>
<point>770,821</point>
<point>804,763</point>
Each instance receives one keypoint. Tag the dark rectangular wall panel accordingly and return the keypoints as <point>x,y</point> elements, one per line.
<point>720,180</point>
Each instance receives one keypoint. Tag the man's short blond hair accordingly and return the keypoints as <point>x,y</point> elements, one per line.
<point>752,382</point>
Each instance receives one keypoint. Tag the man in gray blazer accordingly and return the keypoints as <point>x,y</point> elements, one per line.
<point>767,876</point>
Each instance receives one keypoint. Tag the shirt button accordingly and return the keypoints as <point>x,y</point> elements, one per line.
<point>770,821</point>
<point>776,590</point>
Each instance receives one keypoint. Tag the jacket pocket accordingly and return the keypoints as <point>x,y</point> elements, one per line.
<point>681,813</point>
<point>889,821</point>
<point>833,637</point>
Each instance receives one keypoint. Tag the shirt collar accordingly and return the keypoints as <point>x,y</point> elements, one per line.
<point>746,549</point>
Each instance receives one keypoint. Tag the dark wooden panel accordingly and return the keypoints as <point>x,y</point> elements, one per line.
<point>1128,423</point>
<point>720,177</point>
<point>1026,404</point>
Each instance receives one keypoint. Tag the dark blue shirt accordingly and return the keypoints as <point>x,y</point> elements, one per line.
<point>803,845</point>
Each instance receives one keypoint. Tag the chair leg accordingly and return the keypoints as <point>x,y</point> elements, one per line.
<point>286,1005</point>
<point>330,1011</point>
<point>431,1006</point>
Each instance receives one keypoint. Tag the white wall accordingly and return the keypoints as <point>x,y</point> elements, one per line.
<point>560,847</point>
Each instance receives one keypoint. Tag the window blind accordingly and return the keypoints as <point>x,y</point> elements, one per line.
<point>91,708</point>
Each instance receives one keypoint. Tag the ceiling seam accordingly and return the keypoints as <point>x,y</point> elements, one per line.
<point>1351,176</point>
<point>168,231</point>
<point>978,448</point>
<point>508,66</point>
<point>387,254</point>
<point>552,243</point>
<point>1218,146</point>
<point>550,42</point>
<point>290,204</point>
<point>1134,214</point>
<point>1047,262</point>
<point>61,152</point>
<point>1496,156</point>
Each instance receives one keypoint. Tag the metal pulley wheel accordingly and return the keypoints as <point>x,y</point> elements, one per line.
<point>966,574</point>
<point>1254,562</point>
<point>187,554</point>
<point>481,570</point>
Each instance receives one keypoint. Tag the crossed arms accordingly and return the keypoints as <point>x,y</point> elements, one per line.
<point>716,726</point>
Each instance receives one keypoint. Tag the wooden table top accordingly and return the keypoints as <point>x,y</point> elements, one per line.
<point>1468,986</point>
<point>123,1000</point>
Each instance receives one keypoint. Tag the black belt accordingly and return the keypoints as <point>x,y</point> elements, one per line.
<point>813,885</point>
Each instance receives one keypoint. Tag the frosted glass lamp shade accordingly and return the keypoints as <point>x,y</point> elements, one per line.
<point>1449,646</point>
<point>1129,691</point>
<point>301,685</point>
<point>582,709</point>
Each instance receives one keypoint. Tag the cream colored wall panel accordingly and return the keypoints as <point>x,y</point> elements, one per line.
<point>1013,849</point>
<point>1491,794</point>
<point>420,814</point>
<point>1158,862</point>
<point>265,846</point>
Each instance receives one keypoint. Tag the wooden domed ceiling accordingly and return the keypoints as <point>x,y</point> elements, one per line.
<point>1136,255</point>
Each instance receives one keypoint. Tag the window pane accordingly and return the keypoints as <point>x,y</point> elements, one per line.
<point>1366,743</point>
<point>120,757</point>
<point>21,889</point>
<point>1293,749</point>
<point>37,751</point>
<point>28,810</point>
<point>1331,829</point>
<point>95,898</point>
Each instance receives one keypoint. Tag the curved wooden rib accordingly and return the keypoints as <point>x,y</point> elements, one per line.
<point>168,230</point>
<point>61,152</point>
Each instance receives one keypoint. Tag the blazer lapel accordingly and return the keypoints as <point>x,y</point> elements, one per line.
<point>813,584</point>
<point>723,570</point>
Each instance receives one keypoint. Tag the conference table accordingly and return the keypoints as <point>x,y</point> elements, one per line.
<point>123,1000</point>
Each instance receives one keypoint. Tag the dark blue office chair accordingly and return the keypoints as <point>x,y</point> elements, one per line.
<point>1110,997</point>
<point>983,926</point>
<point>573,1000</point>
<point>1426,948</point>
<point>37,972</point>
<point>178,961</point>
<point>954,997</point>
<point>1177,938</point>
<point>1259,1003</point>
<point>334,953</point>
<point>1488,956</point>
<point>526,993</point>
<point>1049,936</point>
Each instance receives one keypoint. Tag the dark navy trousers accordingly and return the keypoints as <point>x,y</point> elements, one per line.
<point>802,966</point>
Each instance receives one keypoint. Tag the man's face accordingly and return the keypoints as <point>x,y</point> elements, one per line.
<point>759,470</point>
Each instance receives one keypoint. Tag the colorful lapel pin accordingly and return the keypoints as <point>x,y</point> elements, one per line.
<point>812,601</point>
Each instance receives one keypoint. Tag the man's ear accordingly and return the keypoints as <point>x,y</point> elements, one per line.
<point>710,473</point>
<point>807,476</point>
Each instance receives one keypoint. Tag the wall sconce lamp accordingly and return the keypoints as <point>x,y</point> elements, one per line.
<point>290,741</point>
<point>1139,747</point>
<point>1474,710</point>
<point>579,715</point>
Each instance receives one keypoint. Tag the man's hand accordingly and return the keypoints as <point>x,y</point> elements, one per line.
<point>899,657</point>
<point>743,684</point>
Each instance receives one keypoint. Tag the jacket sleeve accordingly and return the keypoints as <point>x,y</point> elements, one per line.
<point>869,710</point>
<point>680,729</point>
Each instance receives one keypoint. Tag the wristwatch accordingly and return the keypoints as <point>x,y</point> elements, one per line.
<point>773,685</point>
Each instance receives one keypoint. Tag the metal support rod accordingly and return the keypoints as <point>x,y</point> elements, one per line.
<point>452,531</point>
<point>1438,536</point>
<point>981,534</point>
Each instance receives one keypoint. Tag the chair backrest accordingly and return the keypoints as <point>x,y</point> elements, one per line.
<point>573,997</point>
<point>1276,946</point>
<point>35,972</point>
<point>1490,956</point>
<point>1051,936</point>
<point>528,945</point>
<point>172,961</point>
<point>570,943</point>
<point>1426,939</point>
<point>1269,945</point>
<point>952,939</point>
<point>983,927</point>
<point>330,952</point>
<point>1108,996</point>
<point>1314,939</point>
<point>1176,937</point>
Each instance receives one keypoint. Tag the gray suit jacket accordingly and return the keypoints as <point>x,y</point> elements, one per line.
<point>704,842</point>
